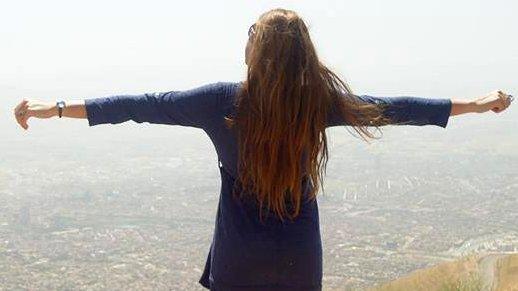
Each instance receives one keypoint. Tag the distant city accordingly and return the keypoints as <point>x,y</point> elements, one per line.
<point>133,206</point>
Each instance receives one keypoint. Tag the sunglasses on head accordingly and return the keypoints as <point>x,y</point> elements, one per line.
<point>251,30</point>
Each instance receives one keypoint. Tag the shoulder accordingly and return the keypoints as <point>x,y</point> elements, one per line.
<point>227,95</point>
<point>213,94</point>
<point>227,91</point>
<point>226,88</point>
<point>219,90</point>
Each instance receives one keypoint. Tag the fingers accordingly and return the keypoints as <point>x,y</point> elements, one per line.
<point>504,100</point>
<point>19,105</point>
<point>20,113</point>
<point>25,118</point>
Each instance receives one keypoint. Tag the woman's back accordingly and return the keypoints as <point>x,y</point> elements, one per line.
<point>245,250</point>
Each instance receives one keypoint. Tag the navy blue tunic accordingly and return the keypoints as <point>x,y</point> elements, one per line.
<point>246,254</point>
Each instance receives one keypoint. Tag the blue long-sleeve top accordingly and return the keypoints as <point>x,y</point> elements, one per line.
<point>246,254</point>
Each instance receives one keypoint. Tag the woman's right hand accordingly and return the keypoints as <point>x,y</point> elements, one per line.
<point>496,101</point>
<point>33,108</point>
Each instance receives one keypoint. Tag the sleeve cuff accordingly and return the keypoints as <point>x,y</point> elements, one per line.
<point>93,112</point>
<point>444,113</point>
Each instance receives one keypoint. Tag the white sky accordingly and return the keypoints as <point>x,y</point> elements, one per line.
<point>51,49</point>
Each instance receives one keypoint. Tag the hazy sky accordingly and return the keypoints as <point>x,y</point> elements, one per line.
<point>52,49</point>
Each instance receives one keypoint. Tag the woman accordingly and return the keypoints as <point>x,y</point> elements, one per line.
<point>269,134</point>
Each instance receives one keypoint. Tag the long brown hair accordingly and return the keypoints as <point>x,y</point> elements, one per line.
<point>282,111</point>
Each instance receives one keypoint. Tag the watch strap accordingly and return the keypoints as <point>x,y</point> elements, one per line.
<point>60,105</point>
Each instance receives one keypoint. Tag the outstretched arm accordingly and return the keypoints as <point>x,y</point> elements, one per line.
<point>420,111</point>
<point>195,107</point>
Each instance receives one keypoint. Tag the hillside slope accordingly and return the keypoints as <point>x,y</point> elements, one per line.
<point>490,272</point>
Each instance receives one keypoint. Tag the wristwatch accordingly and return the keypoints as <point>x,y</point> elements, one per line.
<point>60,105</point>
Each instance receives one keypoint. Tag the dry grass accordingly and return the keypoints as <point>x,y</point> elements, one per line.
<point>461,275</point>
<point>471,282</point>
<point>507,273</point>
<point>440,277</point>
